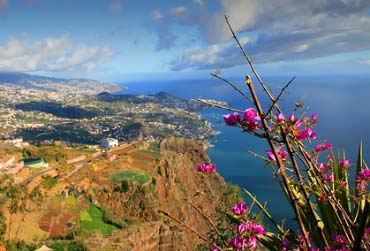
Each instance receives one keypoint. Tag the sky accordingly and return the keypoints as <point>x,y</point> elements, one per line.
<point>140,40</point>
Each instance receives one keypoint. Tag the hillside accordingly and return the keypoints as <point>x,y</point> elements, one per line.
<point>35,82</point>
<point>114,200</point>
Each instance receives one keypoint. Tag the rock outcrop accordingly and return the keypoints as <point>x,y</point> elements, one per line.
<point>177,190</point>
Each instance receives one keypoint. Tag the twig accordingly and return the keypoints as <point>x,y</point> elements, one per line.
<point>270,95</point>
<point>234,87</point>
<point>280,94</point>
<point>191,229</point>
<point>204,215</point>
<point>217,105</point>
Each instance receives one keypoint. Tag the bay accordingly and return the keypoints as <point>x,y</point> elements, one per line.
<point>342,102</point>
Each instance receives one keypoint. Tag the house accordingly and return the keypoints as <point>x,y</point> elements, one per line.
<point>109,142</point>
<point>7,162</point>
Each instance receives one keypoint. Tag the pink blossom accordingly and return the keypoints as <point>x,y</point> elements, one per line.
<point>204,168</point>
<point>249,118</point>
<point>313,135</point>
<point>322,167</point>
<point>329,177</point>
<point>323,198</point>
<point>344,163</point>
<point>363,175</point>
<point>343,183</point>
<point>214,249</point>
<point>291,118</point>
<point>366,233</point>
<point>361,185</point>
<point>302,135</point>
<point>314,118</point>
<point>318,148</point>
<point>339,239</point>
<point>252,242</point>
<point>241,228</point>
<point>239,209</point>
<point>328,146</point>
<point>238,243</point>
<point>255,229</point>
<point>281,154</point>
<point>232,119</point>
<point>280,118</point>
<point>250,115</point>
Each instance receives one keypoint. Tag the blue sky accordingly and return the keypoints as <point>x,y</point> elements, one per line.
<point>126,40</point>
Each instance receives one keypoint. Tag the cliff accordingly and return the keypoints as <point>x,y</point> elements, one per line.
<point>113,201</point>
<point>177,183</point>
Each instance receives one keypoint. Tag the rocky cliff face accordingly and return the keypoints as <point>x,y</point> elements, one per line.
<point>175,188</point>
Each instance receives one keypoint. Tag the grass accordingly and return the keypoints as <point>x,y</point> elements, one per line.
<point>154,154</point>
<point>135,175</point>
<point>92,219</point>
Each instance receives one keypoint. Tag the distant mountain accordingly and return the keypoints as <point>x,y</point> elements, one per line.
<point>163,98</point>
<point>28,81</point>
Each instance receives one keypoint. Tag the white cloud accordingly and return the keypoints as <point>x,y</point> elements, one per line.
<point>50,54</point>
<point>200,2</point>
<point>3,4</point>
<point>157,15</point>
<point>282,30</point>
<point>179,10</point>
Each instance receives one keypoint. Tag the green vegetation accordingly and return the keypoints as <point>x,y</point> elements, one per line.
<point>154,154</point>
<point>93,219</point>
<point>68,245</point>
<point>135,175</point>
<point>48,182</point>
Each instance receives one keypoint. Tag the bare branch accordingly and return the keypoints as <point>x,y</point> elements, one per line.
<point>217,105</point>
<point>233,86</point>
<point>280,94</point>
<point>191,229</point>
<point>268,92</point>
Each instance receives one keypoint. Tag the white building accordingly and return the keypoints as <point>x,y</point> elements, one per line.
<point>109,142</point>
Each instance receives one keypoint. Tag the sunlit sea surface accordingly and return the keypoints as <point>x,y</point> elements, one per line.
<point>343,105</point>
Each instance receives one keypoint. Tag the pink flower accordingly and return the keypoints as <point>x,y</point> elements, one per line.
<point>328,146</point>
<point>255,229</point>
<point>314,118</point>
<point>366,233</point>
<point>323,198</point>
<point>280,118</point>
<point>281,154</point>
<point>214,249</point>
<point>318,148</point>
<point>252,242</point>
<point>329,177</point>
<point>239,209</point>
<point>291,118</point>
<point>339,239</point>
<point>241,228</point>
<point>363,175</point>
<point>250,115</point>
<point>302,135</point>
<point>238,243</point>
<point>322,167</point>
<point>343,183</point>
<point>313,135</point>
<point>361,185</point>
<point>344,163</point>
<point>204,168</point>
<point>232,119</point>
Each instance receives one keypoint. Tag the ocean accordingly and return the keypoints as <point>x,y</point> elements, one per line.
<point>342,102</point>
